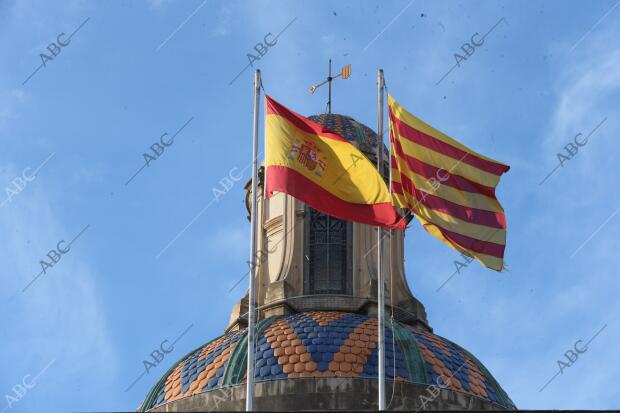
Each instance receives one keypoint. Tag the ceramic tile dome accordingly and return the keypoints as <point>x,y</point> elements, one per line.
<point>361,135</point>
<point>327,344</point>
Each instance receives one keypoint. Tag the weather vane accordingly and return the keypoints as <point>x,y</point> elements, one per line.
<point>345,73</point>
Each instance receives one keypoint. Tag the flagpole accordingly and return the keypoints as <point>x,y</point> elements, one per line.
<point>380,283</point>
<point>329,86</point>
<point>249,399</point>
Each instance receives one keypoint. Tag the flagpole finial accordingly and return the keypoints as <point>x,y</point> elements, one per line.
<point>345,73</point>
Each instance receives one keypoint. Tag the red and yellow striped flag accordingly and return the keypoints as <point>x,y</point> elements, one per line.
<point>324,170</point>
<point>449,188</point>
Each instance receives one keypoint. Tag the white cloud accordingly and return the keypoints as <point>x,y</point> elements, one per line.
<point>586,85</point>
<point>230,241</point>
<point>224,23</point>
<point>60,316</point>
<point>10,101</point>
<point>156,4</point>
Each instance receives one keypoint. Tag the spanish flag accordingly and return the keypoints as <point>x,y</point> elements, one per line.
<point>324,170</point>
<point>448,187</point>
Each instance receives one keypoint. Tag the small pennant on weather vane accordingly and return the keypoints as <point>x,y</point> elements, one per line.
<point>345,73</point>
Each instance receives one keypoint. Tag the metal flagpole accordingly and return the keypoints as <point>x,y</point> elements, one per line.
<point>329,85</point>
<point>249,399</point>
<point>380,283</point>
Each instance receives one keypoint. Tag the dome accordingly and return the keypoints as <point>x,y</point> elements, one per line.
<point>361,135</point>
<point>319,344</point>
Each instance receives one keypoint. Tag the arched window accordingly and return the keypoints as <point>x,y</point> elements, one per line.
<point>327,260</point>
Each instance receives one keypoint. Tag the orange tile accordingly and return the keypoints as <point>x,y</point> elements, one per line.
<point>339,357</point>
<point>296,342</point>
<point>289,350</point>
<point>350,358</point>
<point>346,367</point>
<point>286,343</point>
<point>300,367</point>
<point>288,368</point>
<point>310,366</point>
<point>334,366</point>
<point>278,352</point>
<point>283,360</point>
<point>305,357</point>
<point>293,375</point>
<point>293,358</point>
<point>345,349</point>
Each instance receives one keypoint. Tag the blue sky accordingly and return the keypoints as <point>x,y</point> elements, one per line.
<point>136,70</point>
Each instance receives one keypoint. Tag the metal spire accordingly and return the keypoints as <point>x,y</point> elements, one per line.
<point>345,73</point>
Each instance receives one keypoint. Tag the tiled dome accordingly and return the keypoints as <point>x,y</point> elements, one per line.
<point>327,344</point>
<point>360,134</point>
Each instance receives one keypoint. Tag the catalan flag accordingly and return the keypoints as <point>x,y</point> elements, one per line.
<point>449,188</point>
<point>324,170</point>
